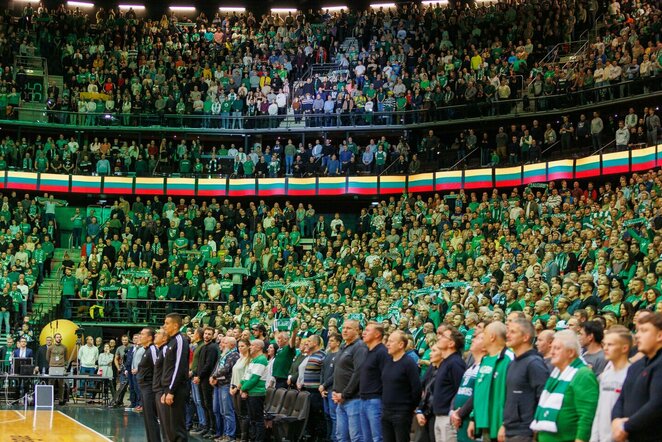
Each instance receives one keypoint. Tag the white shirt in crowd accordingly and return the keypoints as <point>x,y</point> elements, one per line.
<point>611,382</point>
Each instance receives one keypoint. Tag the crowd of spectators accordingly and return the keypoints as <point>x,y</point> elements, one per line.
<point>122,69</point>
<point>325,157</point>
<point>548,258</point>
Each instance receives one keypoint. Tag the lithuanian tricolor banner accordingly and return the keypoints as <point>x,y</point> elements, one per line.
<point>271,186</point>
<point>21,180</point>
<point>213,187</point>
<point>180,186</point>
<point>392,184</point>
<point>451,180</point>
<point>422,182</point>
<point>508,176</point>
<point>149,186</point>
<point>53,182</point>
<point>3,177</point>
<point>332,186</point>
<point>85,184</point>
<point>241,187</point>
<point>362,185</point>
<point>116,185</point>
<point>617,162</point>
<point>560,170</point>
<point>587,167</point>
<point>478,178</point>
<point>643,159</point>
<point>534,173</point>
<point>302,186</point>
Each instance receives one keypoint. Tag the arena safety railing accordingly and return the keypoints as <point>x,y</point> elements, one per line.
<point>634,160</point>
<point>529,105</point>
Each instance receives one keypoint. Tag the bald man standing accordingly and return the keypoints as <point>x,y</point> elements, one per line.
<point>490,389</point>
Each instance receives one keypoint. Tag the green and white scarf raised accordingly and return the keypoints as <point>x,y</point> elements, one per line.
<point>552,397</point>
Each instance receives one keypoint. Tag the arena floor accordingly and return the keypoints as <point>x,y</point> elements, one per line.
<point>77,423</point>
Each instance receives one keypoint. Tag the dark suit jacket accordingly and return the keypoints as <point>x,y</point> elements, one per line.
<point>16,353</point>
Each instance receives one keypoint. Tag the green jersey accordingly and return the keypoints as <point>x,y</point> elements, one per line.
<point>490,392</point>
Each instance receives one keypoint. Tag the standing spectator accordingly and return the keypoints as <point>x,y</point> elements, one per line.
<point>424,412</point>
<point>207,358</point>
<point>638,409</point>
<point>464,399</point>
<point>253,389</point>
<point>544,346</point>
<point>652,123</point>
<point>590,339</point>
<point>174,379</point>
<point>567,405</point>
<point>56,355</point>
<point>145,377</point>
<point>346,383</point>
<point>525,380</point>
<point>597,126</point>
<point>312,379</point>
<point>567,132</point>
<point>447,382</point>
<point>88,355</point>
<point>334,342</point>
<point>159,341</point>
<point>284,357</point>
<point>622,136</point>
<point>401,390</point>
<point>41,361</point>
<point>370,383</point>
<point>131,362</point>
<point>490,389</point>
<point>617,344</point>
<point>226,425</point>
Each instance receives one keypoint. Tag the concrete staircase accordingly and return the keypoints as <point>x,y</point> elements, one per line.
<point>50,291</point>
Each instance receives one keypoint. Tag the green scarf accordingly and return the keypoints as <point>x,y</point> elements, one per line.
<point>552,397</point>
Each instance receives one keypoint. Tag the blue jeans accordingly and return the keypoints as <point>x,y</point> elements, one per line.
<point>197,400</point>
<point>4,317</point>
<point>371,420</point>
<point>348,421</point>
<point>289,160</point>
<point>82,385</point>
<point>224,411</point>
<point>330,412</point>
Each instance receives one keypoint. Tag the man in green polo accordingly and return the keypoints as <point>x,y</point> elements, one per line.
<point>284,356</point>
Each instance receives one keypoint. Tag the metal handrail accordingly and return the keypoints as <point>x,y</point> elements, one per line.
<point>604,147</point>
<point>550,147</point>
<point>464,158</point>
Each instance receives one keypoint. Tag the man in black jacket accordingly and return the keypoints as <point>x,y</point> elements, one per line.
<point>638,410</point>
<point>525,381</point>
<point>159,342</point>
<point>447,381</point>
<point>346,383</point>
<point>174,379</point>
<point>41,363</point>
<point>207,359</point>
<point>145,379</point>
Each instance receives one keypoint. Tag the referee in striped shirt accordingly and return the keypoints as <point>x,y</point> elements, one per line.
<point>174,379</point>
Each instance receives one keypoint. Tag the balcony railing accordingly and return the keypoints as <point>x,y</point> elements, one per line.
<point>227,123</point>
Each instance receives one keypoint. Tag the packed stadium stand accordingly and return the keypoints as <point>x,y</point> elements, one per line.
<point>423,221</point>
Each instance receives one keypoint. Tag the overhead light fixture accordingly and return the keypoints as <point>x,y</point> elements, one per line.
<point>382,5</point>
<point>80,4</point>
<point>182,8</point>
<point>232,9</point>
<point>434,2</point>
<point>283,10</point>
<point>333,8</point>
<point>134,7</point>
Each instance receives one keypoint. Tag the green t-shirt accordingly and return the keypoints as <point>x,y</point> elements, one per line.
<point>490,392</point>
<point>283,361</point>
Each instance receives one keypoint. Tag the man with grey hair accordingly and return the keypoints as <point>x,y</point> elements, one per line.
<point>284,356</point>
<point>525,380</point>
<point>568,402</point>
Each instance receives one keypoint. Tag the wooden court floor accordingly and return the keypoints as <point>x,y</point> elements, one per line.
<point>46,426</point>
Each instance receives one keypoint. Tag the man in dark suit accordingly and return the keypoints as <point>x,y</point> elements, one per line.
<point>41,363</point>
<point>22,350</point>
